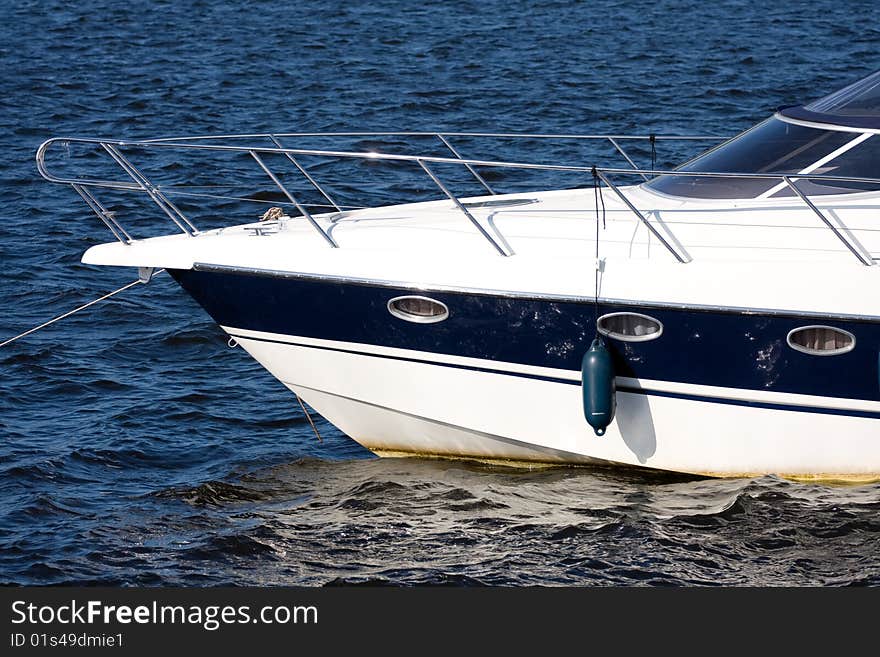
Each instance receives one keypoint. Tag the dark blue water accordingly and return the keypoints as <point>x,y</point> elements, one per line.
<point>135,448</point>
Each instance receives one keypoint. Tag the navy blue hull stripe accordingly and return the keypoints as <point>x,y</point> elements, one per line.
<point>630,389</point>
<point>821,410</point>
<point>699,348</point>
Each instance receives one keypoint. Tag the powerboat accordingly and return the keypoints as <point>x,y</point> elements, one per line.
<point>717,318</point>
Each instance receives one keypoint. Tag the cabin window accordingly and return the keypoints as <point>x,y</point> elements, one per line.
<point>629,327</point>
<point>421,310</point>
<point>821,340</point>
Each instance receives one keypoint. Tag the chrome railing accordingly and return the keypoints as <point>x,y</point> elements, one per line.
<point>601,176</point>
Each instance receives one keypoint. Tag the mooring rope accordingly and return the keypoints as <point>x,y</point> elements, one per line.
<point>75,310</point>
<point>309,418</point>
<point>232,343</point>
<point>114,293</point>
<point>597,197</point>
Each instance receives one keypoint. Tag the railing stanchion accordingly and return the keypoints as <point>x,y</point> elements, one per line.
<point>152,191</point>
<point>308,176</point>
<point>464,210</point>
<point>682,257</point>
<point>103,214</point>
<point>299,206</point>
<point>855,246</point>
<point>467,166</point>
<point>626,157</point>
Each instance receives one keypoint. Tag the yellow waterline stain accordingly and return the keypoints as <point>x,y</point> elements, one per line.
<point>826,478</point>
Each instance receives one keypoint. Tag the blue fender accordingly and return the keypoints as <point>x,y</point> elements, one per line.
<point>597,385</point>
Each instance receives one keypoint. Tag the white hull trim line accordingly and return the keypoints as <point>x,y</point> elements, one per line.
<point>648,386</point>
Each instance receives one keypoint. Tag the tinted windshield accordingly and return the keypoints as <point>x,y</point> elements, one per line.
<point>776,146</point>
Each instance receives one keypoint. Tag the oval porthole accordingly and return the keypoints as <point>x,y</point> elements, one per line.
<point>629,327</point>
<point>821,340</point>
<point>421,310</point>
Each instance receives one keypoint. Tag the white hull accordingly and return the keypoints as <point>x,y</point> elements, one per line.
<point>397,406</point>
